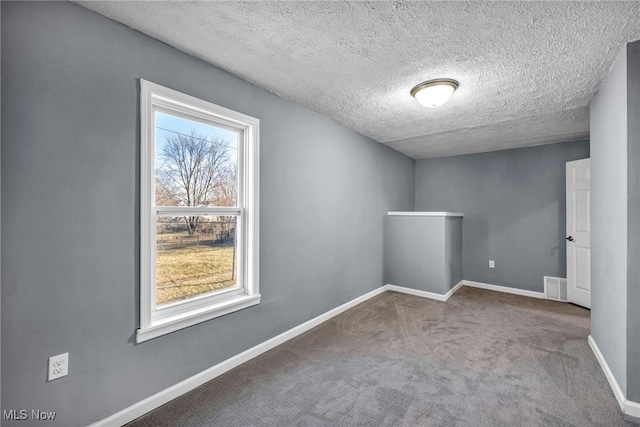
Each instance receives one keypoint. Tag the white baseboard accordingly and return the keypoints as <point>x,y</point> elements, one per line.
<point>453,290</point>
<point>423,294</point>
<point>152,402</point>
<point>617,391</point>
<point>504,289</point>
<point>632,408</point>
<point>629,407</point>
<point>445,297</point>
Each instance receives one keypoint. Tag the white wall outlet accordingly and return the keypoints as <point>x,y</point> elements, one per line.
<point>492,264</point>
<point>58,366</point>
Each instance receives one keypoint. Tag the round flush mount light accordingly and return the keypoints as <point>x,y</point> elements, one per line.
<point>433,93</point>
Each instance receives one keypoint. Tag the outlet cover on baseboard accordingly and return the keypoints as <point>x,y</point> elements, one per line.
<point>555,288</point>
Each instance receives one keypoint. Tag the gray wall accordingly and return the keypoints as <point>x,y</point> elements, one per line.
<point>609,219</point>
<point>423,253</point>
<point>453,250</point>
<point>70,213</point>
<point>633,226</point>
<point>514,210</point>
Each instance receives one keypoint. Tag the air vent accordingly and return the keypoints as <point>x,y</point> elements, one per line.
<point>555,288</point>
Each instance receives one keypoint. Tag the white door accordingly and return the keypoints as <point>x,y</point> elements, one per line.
<point>579,232</point>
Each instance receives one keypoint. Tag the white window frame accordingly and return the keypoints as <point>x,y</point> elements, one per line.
<point>157,321</point>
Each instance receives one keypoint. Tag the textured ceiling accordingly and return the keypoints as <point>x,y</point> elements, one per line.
<point>527,70</point>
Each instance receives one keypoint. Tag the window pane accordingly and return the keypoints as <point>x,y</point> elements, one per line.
<point>195,256</point>
<point>196,163</point>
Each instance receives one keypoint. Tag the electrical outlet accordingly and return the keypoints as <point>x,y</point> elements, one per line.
<point>58,366</point>
<point>492,264</point>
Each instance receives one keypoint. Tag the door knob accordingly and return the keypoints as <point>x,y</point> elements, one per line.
<point>570,238</point>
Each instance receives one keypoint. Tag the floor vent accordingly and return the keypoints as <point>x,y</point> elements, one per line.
<point>555,288</point>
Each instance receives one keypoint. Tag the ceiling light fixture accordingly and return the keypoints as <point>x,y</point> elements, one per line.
<point>433,93</point>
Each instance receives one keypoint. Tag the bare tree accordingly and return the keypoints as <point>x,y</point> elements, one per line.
<point>192,171</point>
<point>165,196</point>
<point>226,194</point>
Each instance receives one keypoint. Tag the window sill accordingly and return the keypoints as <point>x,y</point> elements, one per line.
<point>167,325</point>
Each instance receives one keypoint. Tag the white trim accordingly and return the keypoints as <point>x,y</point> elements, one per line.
<point>147,228</point>
<point>632,408</point>
<point>629,407</point>
<point>615,387</point>
<point>445,297</point>
<point>192,317</point>
<point>505,289</point>
<point>150,403</point>
<point>196,210</point>
<point>407,213</point>
<point>156,321</point>
<point>415,292</point>
<point>175,100</point>
<point>423,294</point>
<point>453,290</point>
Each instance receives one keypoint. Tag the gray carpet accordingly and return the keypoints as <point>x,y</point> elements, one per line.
<point>481,359</point>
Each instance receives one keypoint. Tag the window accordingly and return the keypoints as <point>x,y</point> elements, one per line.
<point>198,211</point>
